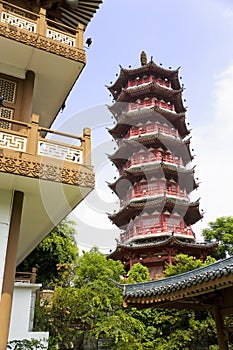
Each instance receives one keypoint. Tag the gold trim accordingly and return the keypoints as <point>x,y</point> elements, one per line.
<point>37,167</point>
<point>41,42</point>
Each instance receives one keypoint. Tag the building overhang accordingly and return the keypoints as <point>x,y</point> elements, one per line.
<point>54,177</point>
<point>46,203</point>
<point>32,42</point>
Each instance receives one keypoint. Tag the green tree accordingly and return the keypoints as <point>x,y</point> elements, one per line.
<point>54,255</point>
<point>177,329</point>
<point>184,263</point>
<point>221,231</point>
<point>138,273</point>
<point>91,311</point>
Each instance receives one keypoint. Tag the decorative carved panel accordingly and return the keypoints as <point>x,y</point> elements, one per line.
<point>18,22</point>
<point>8,90</point>
<point>75,175</point>
<point>62,38</point>
<point>61,152</point>
<point>14,142</point>
<point>6,113</point>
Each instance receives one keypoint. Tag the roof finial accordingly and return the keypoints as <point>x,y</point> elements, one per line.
<point>143,58</point>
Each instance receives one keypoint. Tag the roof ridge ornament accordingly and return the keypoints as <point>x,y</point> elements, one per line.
<point>143,58</point>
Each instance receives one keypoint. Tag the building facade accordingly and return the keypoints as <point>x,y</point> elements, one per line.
<point>155,177</point>
<point>44,173</point>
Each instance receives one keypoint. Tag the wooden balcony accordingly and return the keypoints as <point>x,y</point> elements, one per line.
<point>39,31</point>
<point>134,232</point>
<point>30,153</point>
<point>32,43</point>
<point>54,176</point>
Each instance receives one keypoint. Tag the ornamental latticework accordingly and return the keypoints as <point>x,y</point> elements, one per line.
<point>155,177</point>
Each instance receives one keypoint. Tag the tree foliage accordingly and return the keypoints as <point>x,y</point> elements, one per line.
<point>178,329</point>
<point>184,263</point>
<point>53,255</point>
<point>138,273</point>
<point>91,309</point>
<point>221,231</point>
<point>26,344</point>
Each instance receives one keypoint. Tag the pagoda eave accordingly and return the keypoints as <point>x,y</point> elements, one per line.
<point>129,94</point>
<point>152,68</point>
<point>181,174</point>
<point>151,248</point>
<point>190,211</point>
<point>128,147</point>
<point>128,119</point>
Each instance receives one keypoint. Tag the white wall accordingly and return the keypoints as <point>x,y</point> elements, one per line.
<point>5,214</point>
<point>23,312</point>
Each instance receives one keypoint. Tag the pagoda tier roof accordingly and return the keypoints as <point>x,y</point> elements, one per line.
<point>129,147</point>
<point>69,13</point>
<point>188,210</point>
<point>150,67</point>
<point>150,90</point>
<point>180,174</point>
<point>119,107</point>
<point>196,289</point>
<point>155,113</point>
<point>153,246</point>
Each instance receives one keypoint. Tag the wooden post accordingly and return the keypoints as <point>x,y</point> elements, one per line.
<point>9,271</point>
<point>222,343</point>
<point>87,146</point>
<point>79,36</point>
<point>33,275</point>
<point>41,22</point>
<point>32,141</point>
<point>1,8</point>
<point>26,107</point>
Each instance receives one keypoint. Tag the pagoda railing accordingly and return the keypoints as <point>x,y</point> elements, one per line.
<point>150,102</point>
<point>149,128</point>
<point>149,79</point>
<point>26,138</point>
<point>150,157</point>
<point>34,23</point>
<point>157,229</point>
<point>149,192</point>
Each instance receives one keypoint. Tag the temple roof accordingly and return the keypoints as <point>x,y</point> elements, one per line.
<point>68,12</point>
<point>186,290</point>
<point>155,113</point>
<point>152,89</point>
<point>151,247</point>
<point>181,174</point>
<point>150,67</point>
<point>189,210</point>
<point>129,147</point>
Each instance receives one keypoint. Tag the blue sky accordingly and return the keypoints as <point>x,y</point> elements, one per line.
<point>194,34</point>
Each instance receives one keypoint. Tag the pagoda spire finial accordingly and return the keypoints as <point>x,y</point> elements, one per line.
<point>143,58</point>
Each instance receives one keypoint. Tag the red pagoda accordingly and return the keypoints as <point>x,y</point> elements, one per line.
<point>155,178</point>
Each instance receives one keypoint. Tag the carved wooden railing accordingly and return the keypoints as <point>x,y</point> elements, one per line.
<point>26,138</point>
<point>39,25</point>
<point>26,277</point>
<point>159,229</point>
